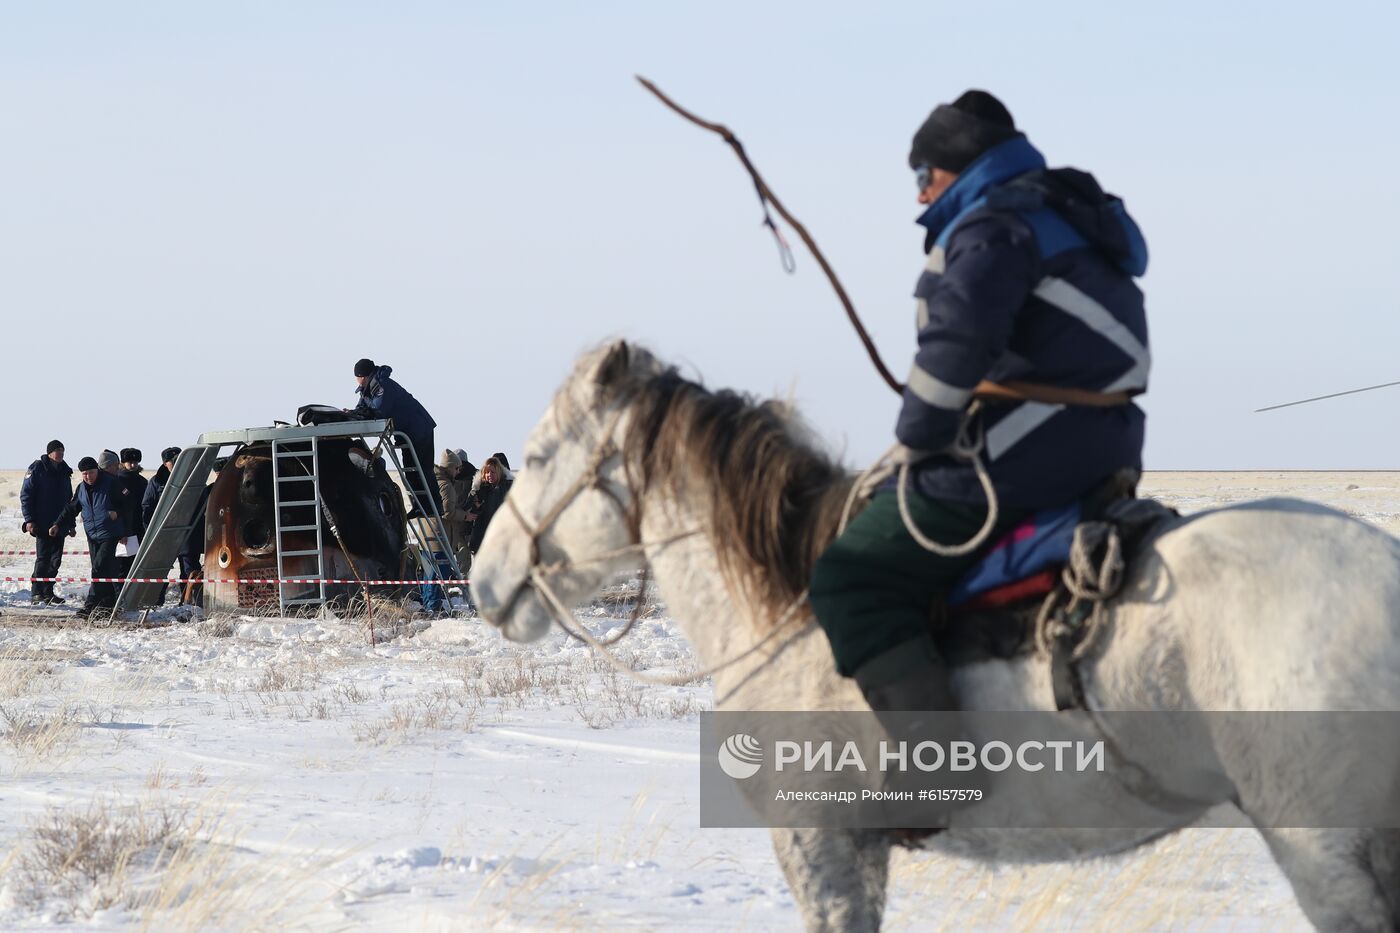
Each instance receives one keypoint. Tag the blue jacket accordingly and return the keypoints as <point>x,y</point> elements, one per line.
<point>151,497</point>
<point>193,547</point>
<point>46,490</point>
<point>382,397</point>
<point>108,494</point>
<point>1029,278</point>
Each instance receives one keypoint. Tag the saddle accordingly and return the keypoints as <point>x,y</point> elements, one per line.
<point>1019,592</point>
<point>996,610</point>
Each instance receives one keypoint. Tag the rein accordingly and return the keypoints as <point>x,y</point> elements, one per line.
<point>967,446</point>
<point>537,577</point>
<point>591,477</point>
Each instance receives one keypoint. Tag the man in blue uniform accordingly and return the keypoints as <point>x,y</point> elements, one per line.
<point>48,485</point>
<point>382,397</point>
<point>102,500</point>
<point>1029,281</point>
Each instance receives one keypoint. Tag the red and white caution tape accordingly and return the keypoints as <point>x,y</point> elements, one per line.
<point>32,553</point>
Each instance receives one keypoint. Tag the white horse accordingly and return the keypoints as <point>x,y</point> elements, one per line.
<point>1275,605</point>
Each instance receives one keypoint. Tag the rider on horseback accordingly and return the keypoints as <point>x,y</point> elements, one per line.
<point>1029,280</point>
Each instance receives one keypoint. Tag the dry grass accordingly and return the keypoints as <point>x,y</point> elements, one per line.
<point>603,696</point>
<point>161,778</point>
<point>523,892</point>
<point>638,838</point>
<point>176,867</point>
<point>441,710</point>
<point>205,886</point>
<point>276,678</point>
<point>43,734</point>
<point>1143,891</point>
<point>217,626</point>
<point>22,673</point>
<point>82,861</point>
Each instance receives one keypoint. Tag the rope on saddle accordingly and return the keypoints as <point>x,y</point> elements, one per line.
<point>1073,616</point>
<point>1092,576</point>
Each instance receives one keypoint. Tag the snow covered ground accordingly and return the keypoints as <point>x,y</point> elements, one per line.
<point>278,773</point>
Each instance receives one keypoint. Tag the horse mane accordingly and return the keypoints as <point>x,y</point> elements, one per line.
<point>774,501</point>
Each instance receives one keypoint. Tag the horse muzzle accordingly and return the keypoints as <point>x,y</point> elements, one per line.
<point>520,617</point>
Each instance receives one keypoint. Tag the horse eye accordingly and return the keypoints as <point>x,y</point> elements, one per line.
<point>535,461</point>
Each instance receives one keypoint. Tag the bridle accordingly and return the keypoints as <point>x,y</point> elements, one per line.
<point>537,576</point>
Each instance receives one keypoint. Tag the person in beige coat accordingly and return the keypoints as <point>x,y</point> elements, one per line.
<point>454,514</point>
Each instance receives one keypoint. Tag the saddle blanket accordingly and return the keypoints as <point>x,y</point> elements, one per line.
<point>1039,544</point>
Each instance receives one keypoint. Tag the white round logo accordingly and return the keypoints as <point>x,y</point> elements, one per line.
<point>740,756</point>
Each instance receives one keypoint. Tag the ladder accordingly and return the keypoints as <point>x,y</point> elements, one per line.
<point>297,507</point>
<point>415,482</point>
<point>176,515</point>
<point>296,503</point>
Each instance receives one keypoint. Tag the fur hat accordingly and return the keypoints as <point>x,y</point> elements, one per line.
<point>107,459</point>
<point>955,134</point>
<point>169,454</point>
<point>131,455</point>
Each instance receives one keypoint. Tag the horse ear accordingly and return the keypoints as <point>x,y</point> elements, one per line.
<point>615,365</point>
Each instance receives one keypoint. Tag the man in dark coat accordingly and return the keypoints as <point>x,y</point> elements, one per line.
<point>102,501</point>
<point>382,397</point>
<point>48,485</point>
<point>1029,279</point>
<point>151,499</point>
<point>131,474</point>
<point>156,485</point>
<point>130,507</point>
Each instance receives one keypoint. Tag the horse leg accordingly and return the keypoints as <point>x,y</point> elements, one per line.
<point>1337,878</point>
<point>1385,866</point>
<point>837,876</point>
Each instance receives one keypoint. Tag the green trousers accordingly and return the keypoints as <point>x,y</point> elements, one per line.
<point>875,586</point>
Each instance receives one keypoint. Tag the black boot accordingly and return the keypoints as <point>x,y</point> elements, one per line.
<point>900,684</point>
<point>909,677</point>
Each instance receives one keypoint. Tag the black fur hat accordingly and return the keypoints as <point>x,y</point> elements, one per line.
<point>955,134</point>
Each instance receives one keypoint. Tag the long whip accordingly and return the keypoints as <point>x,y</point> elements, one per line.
<point>766,197</point>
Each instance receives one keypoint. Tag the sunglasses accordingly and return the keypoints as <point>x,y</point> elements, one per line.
<point>923,176</point>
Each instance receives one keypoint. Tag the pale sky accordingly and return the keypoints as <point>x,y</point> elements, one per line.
<point>212,210</point>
